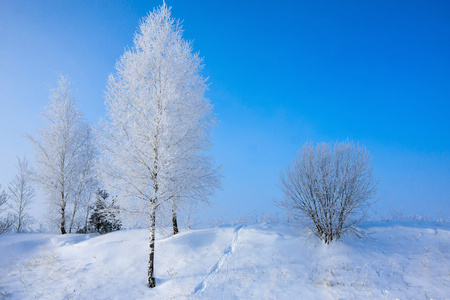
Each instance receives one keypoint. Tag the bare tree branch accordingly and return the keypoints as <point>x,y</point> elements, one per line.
<point>329,188</point>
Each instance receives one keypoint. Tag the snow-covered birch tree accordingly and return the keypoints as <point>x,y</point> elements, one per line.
<point>156,138</point>
<point>86,181</point>
<point>21,193</point>
<point>57,151</point>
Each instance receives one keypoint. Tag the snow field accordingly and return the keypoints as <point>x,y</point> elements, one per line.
<point>260,261</point>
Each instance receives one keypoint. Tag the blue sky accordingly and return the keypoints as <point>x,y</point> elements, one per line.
<point>282,73</point>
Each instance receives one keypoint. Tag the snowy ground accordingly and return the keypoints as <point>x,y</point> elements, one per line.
<point>262,261</point>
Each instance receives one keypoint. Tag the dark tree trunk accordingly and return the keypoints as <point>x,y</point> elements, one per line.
<point>174,218</point>
<point>20,216</point>
<point>18,227</point>
<point>174,222</point>
<point>63,220</point>
<point>151,259</point>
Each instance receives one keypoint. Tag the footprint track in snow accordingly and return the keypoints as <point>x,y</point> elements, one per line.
<point>216,267</point>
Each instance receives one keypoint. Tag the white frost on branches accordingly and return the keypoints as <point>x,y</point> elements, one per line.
<point>21,194</point>
<point>329,188</point>
<point>156,138</point>
<point>158,125</point>
<point>61,153</point>
<point>6,218</point>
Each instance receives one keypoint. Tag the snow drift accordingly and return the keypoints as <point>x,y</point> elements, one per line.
<point>261,261</point>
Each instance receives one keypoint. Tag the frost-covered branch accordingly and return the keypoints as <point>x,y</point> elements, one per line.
<point>60,154</point>
<point>155,140</point>
<point>329,188</point>
<point>21,194</point>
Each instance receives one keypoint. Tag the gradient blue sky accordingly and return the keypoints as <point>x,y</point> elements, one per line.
<point>282,73</point>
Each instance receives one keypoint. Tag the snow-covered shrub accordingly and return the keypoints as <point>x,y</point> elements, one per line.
<point>329,188</point>
<point>6,218</point>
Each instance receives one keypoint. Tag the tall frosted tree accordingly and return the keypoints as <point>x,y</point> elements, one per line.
<point>86,181</point>
<point>155,142</point>
<point>58,148</point>
<point>21,193</point>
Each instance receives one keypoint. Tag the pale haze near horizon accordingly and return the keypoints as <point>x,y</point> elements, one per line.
<point>281,75</point>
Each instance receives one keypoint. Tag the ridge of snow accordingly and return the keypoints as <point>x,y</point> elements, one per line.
<point>259,261</point>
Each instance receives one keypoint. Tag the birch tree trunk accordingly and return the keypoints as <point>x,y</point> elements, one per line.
<point>58,149</point>
<point>20,212</point>
<point>174,218</point>
<point>158,127</point>
<point>73,215</point>
<point>151,259</point>
<point>63,216</point>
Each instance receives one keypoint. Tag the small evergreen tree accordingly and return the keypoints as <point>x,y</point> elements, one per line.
<point>103,218</point>
<point>112,210</point>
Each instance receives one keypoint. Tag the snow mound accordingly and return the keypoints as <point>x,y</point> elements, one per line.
<point>261,261</point>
